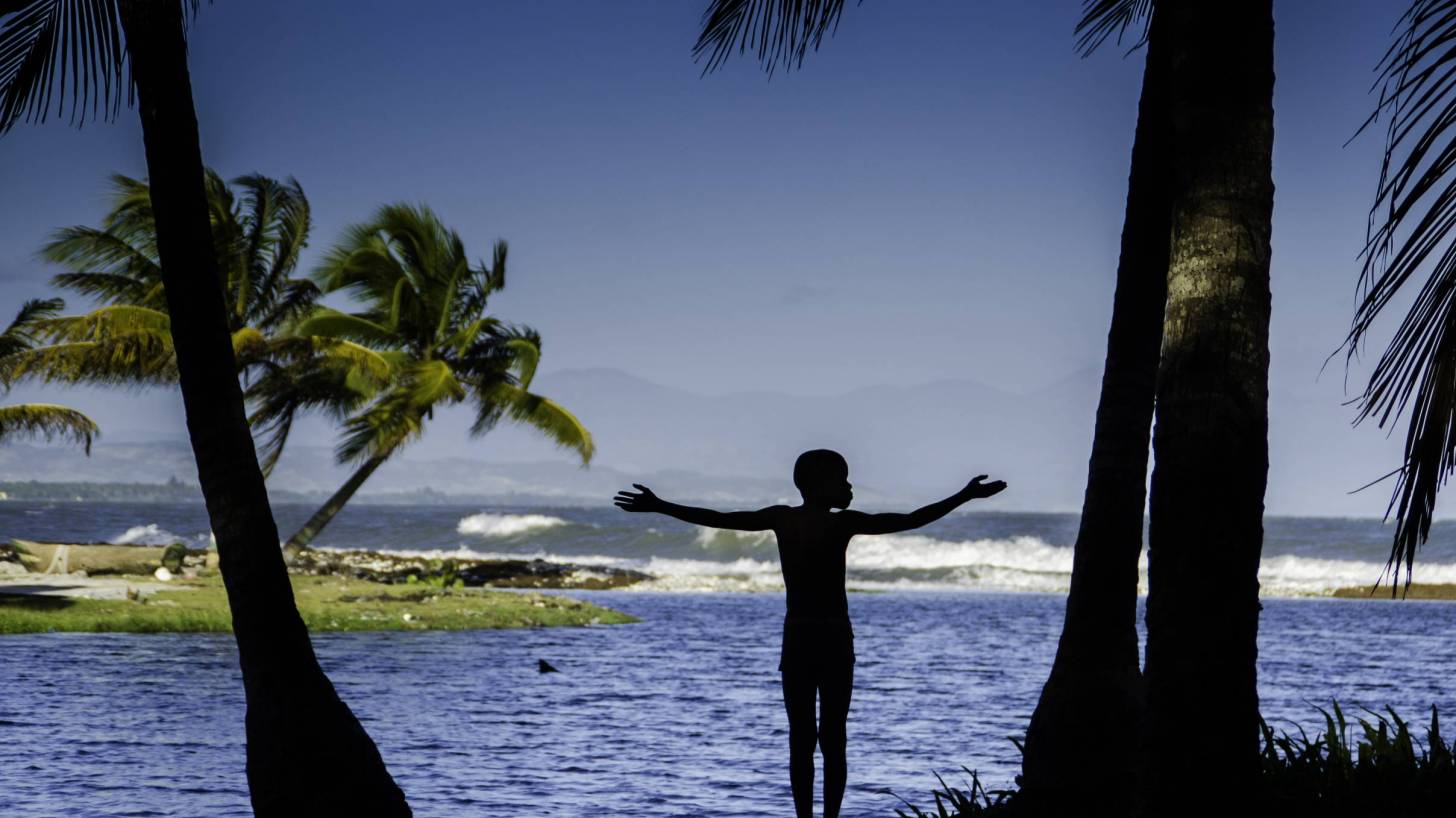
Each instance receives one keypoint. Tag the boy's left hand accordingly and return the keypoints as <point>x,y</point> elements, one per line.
<point>977,489</point>
<point>644,500</point>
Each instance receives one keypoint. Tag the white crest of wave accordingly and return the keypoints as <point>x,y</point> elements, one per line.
<point>1288,575</point>
<point>486,524</point>
<point>467,553</point>
<point>914,551</point>
<point>149,534</point>
<point>722,537</point>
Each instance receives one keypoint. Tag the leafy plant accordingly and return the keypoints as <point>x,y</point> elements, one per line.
<point>951,802</point>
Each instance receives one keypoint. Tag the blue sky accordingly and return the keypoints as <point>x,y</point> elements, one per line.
<point>937,194</point>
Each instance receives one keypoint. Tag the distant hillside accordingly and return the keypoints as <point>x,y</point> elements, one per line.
<point>905,445</point>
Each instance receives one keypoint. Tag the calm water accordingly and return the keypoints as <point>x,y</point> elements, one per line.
<point>679,715</point>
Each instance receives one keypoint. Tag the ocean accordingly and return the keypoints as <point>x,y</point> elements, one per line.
<point>971,551</point>
<point>679,715</point>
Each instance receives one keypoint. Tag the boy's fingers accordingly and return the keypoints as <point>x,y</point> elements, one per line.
<point>978,478</point>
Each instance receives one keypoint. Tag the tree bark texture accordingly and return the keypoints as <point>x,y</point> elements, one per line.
<point>1210,442</point>
<point>306,752</point>
<point>1081,746</point>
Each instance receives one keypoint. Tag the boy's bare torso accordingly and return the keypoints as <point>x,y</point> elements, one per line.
<point>812,545</point>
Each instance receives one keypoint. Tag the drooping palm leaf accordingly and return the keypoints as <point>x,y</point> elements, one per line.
<point>330,323</point>
<point>778,32</point>
<point>540,413</point>
<point>1410,223</point>
<point>47,420</point>
<point>1122,19</point>
<point>107,322</point>
<point>525,350</point>
<point>55,52</point>
<point>136,359</point>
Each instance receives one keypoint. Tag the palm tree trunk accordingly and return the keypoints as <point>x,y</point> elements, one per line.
<point>1082,743</point>
<point>304,535</point>
<point>1210,444</point>
<point>307,753</point>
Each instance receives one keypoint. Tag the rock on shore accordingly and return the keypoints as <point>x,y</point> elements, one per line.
<point>471,573</point>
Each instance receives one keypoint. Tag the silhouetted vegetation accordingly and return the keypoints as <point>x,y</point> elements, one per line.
<point>1376,765</point>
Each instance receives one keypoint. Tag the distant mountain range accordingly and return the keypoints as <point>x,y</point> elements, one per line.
<point>904,444</point>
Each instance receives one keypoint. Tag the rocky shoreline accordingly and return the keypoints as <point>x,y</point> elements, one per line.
<point>470,573</point>
<point>99,559</point>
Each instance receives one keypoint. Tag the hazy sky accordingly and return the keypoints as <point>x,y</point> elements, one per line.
<point>938,194</point>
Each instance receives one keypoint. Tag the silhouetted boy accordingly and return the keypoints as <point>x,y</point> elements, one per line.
<point>818,651</point>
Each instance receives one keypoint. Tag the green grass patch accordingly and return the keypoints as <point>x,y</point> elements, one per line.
<point>326,603</point>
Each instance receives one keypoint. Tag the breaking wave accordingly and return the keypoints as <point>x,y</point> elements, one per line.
<point>149,534</point>
<point>486,524</point>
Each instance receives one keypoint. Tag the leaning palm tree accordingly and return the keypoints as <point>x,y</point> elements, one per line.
<point>421,341</point>
<point>1083,737</point>
<point>307,753</point>
<point>1408,242</point>
<point>259,225</point>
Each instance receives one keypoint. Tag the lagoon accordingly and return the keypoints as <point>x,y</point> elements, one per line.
<point>676,716</point>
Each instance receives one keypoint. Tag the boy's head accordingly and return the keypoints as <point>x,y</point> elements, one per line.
<point>822,476</point>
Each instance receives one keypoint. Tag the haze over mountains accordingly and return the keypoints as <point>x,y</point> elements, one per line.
<point>905,444</point>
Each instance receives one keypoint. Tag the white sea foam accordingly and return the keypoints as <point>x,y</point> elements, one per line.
<point>486,524</point>
<point>149,534</point>
<point>747,561</point>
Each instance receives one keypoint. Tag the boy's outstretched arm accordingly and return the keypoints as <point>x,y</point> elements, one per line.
<point>645,500</point>
<point>863,523</point>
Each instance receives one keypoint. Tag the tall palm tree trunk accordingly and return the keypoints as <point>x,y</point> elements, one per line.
<point>1081,746</point>
<point>1210,443</point>
<point>305,534</point>
<point>307,754</point>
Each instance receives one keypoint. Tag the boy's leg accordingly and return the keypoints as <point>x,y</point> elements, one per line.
<point>835,688</point>
<point>799,703</point>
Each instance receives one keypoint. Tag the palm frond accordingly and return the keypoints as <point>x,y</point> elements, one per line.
<point>137,359</point>
<point>57,51</point>
<point>23,332</point>
<point>283,391</point>
<point>778,32</point>
<point>111,321</point>
<point>540,413</point>
<point>381,429</point>
<point>96,251</point>
<point>295,300</point>
<point>1408,233</point>
<point>273,229</point>
<point>431,382</point>
<point>525,351</point>
<point>329,323</point>
<point>1102,19</point>
<point>47,420</point>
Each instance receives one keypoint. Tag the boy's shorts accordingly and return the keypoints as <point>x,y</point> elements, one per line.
<point>817,645</point>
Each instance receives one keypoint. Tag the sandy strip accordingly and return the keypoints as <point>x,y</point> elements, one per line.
<point>79,587</point>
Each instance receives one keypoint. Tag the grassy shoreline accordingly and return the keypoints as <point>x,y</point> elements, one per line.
<point>326,603</point>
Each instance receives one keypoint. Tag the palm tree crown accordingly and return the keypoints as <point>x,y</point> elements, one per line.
<point>421,339</point>
<point>259,226</point>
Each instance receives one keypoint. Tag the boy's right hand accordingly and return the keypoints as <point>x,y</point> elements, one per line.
<point>644,500</point>
<point>977,489</point>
